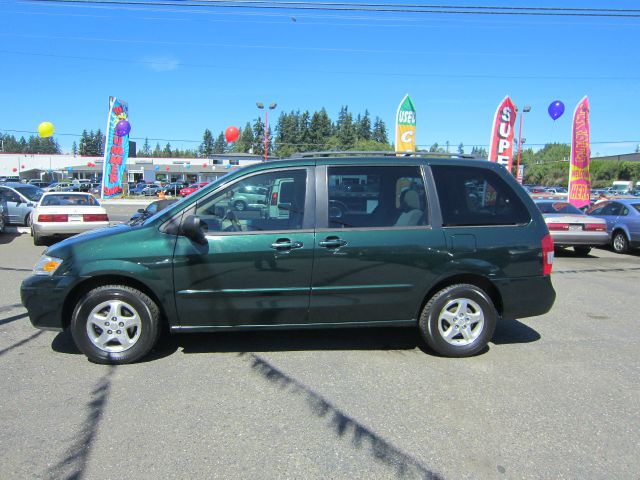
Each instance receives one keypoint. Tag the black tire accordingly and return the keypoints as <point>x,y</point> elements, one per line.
<point>27,220</point>
<point>582,250</point>
<point>430,319</point>
<point>619,242</point>
<point>149,319</point>
<point>37,239</point>
<point>240,206</point>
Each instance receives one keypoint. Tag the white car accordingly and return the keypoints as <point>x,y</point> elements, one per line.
<point>65,214</point>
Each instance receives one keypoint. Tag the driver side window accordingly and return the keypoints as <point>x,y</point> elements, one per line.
<point>273,201</point>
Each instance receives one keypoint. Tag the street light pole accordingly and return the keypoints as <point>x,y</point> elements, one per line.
<point>260,105</point>
<point>525,109</point>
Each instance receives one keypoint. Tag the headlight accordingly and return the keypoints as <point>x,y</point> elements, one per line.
<point>47,265</point>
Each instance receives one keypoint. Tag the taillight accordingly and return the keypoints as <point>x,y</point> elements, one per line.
<point>274,198</point>
<point>547,254</point>
<point>58,217</point>
<point>595,227</point>
<point>558,226</point>
<point>95,217</point>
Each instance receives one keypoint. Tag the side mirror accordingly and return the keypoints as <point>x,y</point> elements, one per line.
<point>192,229</point>
<point>141,210</point>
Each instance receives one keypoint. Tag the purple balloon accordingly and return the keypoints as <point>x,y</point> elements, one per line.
<point>123,128</point>
<point>556,109</point>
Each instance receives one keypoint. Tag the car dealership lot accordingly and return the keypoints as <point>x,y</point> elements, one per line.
<point>553,396</point>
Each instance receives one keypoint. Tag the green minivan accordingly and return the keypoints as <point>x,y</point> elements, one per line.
<point>447,245</point>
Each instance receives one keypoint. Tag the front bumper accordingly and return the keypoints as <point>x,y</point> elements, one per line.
<point>44,297</point>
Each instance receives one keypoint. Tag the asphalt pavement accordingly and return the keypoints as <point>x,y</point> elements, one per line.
<point>555,396</point>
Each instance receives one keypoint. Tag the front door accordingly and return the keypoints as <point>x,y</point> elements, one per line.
<point>254,269</point>
<point>376,251</point>
<point>11,202</point>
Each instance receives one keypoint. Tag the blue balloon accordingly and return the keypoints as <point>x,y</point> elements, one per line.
<point>69,169</point>
<point>156,168</point>
<point>556,109</point>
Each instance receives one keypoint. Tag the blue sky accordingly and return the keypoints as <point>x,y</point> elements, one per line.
<point>183,70</point>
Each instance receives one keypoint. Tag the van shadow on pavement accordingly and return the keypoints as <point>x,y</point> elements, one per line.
<point>384,339</point>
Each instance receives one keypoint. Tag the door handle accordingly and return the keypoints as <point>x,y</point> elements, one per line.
<point>286,244</point>
<point>332,242</point>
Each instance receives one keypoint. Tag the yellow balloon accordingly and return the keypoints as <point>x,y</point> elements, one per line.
<point>45,129</point>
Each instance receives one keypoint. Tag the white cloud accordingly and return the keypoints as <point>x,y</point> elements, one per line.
<point>162,63</point>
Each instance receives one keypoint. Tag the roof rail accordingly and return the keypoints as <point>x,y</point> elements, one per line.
<point>382,153</point>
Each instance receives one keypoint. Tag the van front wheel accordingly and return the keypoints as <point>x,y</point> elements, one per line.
<point>115,324</point>
<point>458,321</point>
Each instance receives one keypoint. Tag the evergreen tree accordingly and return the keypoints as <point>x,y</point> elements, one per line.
<point>479,152</point>
<point>435,148</point>
<point>461,148</point>
<point>345,129</point>
<point>146,148</point>
<point>320,130</point>
<point>380,131</point>
<point>166,151</point>
<point>157,152</point>
<point>84,143</point>
<point>99,143</point>
<point>23,145</point>
<point>74,148</point>
<point>246,140</point>
<point>363,127</point>
<point>258,137</point>
<point>220,145</point>
<point>207,147</point>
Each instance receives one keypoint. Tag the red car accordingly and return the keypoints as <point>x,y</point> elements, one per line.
<point>192,188</point>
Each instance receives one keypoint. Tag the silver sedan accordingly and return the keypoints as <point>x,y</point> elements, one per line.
<point>570,227</point>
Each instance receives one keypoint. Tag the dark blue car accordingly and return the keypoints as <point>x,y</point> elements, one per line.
<point>623,222</point>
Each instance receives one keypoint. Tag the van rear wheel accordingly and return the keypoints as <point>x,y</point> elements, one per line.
<point>458,321</point>
<point>115,324</point>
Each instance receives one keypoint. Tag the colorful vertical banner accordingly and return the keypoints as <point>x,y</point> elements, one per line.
<point>116,150</point>
<point>501,145</point>
<point>406,126</point>
<point>579,177</point>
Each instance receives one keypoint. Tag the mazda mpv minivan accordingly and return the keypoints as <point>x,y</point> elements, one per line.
<point>446,245</point>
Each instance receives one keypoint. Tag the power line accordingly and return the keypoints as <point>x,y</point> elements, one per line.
<point>382,8</point>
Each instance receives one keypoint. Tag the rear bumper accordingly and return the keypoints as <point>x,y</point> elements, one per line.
<point>60,228</point>
<point>526,297</point>
<point>44,297</point>
<point>580,238</point>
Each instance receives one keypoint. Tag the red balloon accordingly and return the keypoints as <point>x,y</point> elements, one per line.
<point>232,134</point>
<point>22,166</point>
<point>168,168</point>
<point>204,165</point>
<point>15,169</point>
<point>89,164</point>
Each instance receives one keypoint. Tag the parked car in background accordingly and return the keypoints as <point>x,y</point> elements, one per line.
<point>623,222</point>
<point>192,188</point>
<point>249,197</point>
<point>2,221</point>
<point>10,179</point>
<point>66,213</point>
<point>138,189</point>
<point>18,200</point>
<point>151,190</point>
<point>570,227</point>
<point>154,207</point>
<point>58,187</point>
<point>174,188</point>
<point>557,190</point>
<point>426,252</point>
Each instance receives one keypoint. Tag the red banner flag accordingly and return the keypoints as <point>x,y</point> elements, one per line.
<point>501,146</point>
<point>579,178</point>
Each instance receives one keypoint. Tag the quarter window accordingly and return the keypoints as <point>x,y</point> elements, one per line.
<point>375,197</point>
<point>477,196</point>
<point>273,201</point>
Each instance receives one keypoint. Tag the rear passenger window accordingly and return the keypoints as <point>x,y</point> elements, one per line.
<point>477,196</point>
<point>374,197</point>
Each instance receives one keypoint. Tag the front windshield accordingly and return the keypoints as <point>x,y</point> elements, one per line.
<point>558,207</point>
<point>31,193</point>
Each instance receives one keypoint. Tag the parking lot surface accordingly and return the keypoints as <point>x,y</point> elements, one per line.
<point>555,396</point>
